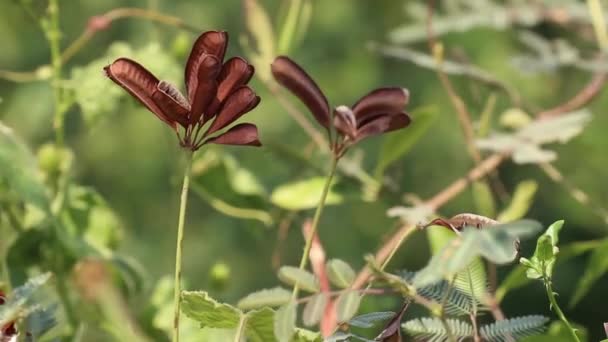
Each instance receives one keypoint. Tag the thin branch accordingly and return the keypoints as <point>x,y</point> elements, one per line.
<point>581,99</point>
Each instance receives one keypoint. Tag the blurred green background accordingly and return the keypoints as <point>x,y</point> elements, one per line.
<point>134,162</point>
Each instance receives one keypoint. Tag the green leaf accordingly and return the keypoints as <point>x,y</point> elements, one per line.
<point>340,273</point>
<point>295,276</point>
<point>597,266</point>
<point>496,244</point>
<point>88,82</point>
<point>260,325</point>
<point>438,237</point>
<point>304,194</point>
<point>314,309</point>
<point>207,312</point>
<point>370,319</point>
<point>517,328</point>
<point>473,280</point>
<point>347,305</point>
<point>521,201</point>
<point>285,322</point>
<point>483,198</point>
<point>292,25</point>
<point>303,335</point>
<point>542,262</point>
<point>397,144</point>
<point>40,321</point>
<point>19,169</point>
<point>275,296</point>
<point>17,305</point>
<point>427,328</point>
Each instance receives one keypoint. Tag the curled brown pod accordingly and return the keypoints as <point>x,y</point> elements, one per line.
<point>458,222</point>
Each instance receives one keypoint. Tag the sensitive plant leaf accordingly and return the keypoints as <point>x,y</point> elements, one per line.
<point>347,305</point>
<point>521,201</point>
<point>314,309</point>
<point>597,266</point>
<point>497,244</point>
<point>275,296</point>
<point>433,329</point>
<point>17,305</point>
<point>303,335</point>
<point>260,325</point>
<point>40,321</point>
<point>369,320</point>
<point>518,328</point>
<point>209,313</point>
<point>285,322</point>
<point>483,198</point>
<point>303,279</point>
<point>396,145</point>
<point>340,273</point>
<point>560,128</point>
<point>304,194</point>
<point>473,280</point>
<point>457,302</point>
<point>19,169</point>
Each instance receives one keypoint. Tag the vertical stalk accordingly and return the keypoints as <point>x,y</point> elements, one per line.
<point>315,221</point>
<point>558,311</point>
<point>240,330</point>
<point>179,247</point>
<point>53,36</point>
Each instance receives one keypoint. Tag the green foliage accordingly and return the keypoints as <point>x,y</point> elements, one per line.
<point>314,309</point>
<point>496,244</point>
<point>520,202</point>
<point>458,302</point>
<point>347,305</point>
<point>260,325</point>
<point>432,329</point>
<point>297,277</point>
<point>483,198</point>
<point>275,296</point>
<point>88,82</point>
<point>396,145</point>
<point>304,194</point>
<point>20,305</point>
<point>558,332</point>
<point>542,262</point>
<point>20,171</point>
<point>518,328</point>
<point>597,266</point>
<point>261,43</point>
<point>285,322</point>
<point>340,273</point>
<point>207,312</point>
<point>371,319</point>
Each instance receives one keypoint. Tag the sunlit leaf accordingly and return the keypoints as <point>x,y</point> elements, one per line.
<point>285,322</point>
<point>347,305</point>
<point>303,194</point>
<point>295,276</point>
<point>496,244</point>
<point>340,273</point>
<point>269,297</point>
<point>314,309</point>
<point>207,312</point>
<point>260,325</point>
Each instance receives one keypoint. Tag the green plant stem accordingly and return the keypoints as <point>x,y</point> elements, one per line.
<point>289,29</point>
<point>315,222</point>
<point>599,23</point>
<point>557,309</point>
<point>240,330</point>
<point>179,247</point>
<point>53,36</point>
